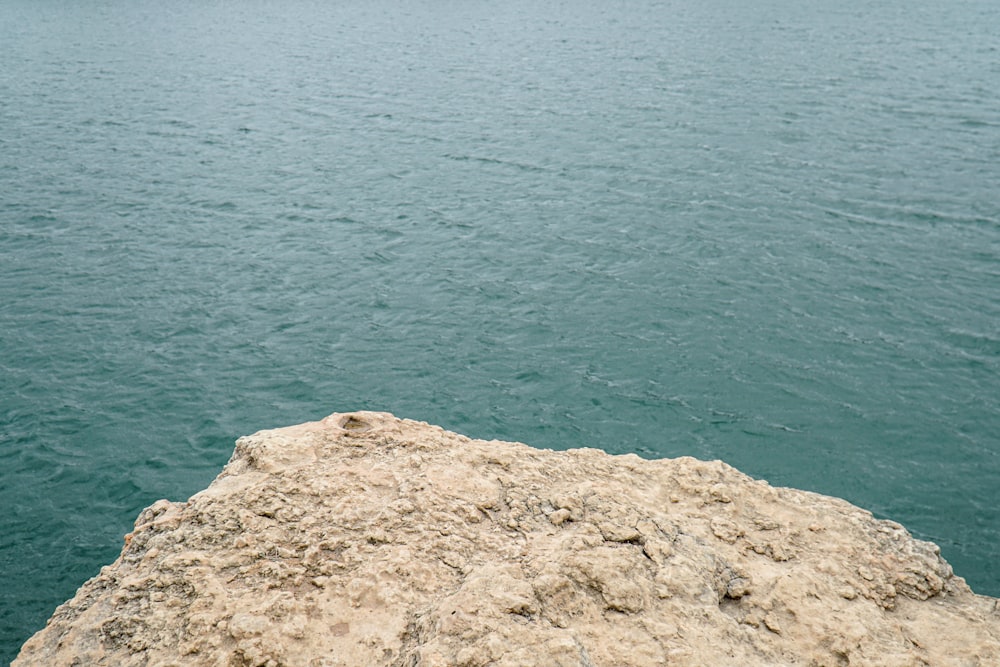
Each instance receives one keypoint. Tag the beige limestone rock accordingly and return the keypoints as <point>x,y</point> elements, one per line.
<point>363,539</point>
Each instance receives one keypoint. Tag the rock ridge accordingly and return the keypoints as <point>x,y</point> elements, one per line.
<point>363,539</point>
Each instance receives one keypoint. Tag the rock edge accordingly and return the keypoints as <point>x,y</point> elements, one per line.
<point>364,539</point>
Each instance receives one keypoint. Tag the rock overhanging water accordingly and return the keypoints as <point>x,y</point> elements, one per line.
<point>363,539</point>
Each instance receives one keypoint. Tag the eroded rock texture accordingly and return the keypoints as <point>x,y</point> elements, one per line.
<point>363,539</point>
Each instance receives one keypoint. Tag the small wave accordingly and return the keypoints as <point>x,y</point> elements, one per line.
<point>973,341</point>
<point>490,160</point>
<point>899,215</point>
<point>976,122</point>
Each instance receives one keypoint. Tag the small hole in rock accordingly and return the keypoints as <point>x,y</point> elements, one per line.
<point>352,423</point>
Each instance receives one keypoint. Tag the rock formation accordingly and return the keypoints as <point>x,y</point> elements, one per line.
<point>363,539</point>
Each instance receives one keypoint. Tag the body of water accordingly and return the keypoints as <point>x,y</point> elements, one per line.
<point>763,232</point>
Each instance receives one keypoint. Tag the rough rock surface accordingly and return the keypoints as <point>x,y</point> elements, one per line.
<point>363,539</point>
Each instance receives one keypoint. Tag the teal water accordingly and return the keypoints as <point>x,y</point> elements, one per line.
<point>762,232</point>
